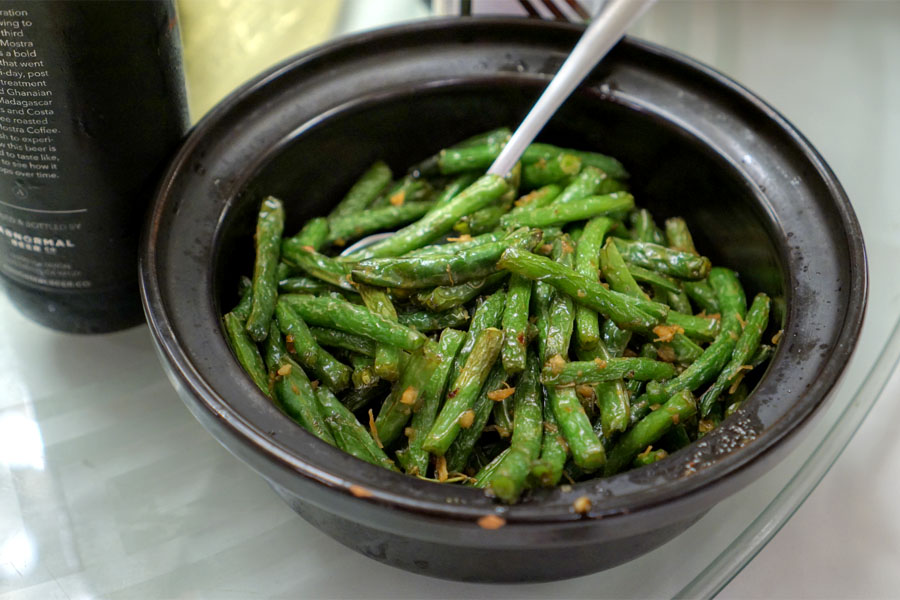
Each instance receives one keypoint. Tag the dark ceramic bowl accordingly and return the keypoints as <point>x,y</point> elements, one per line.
<point>756,195</point>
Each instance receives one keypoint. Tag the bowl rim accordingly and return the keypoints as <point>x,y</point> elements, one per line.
<point>430,499</point>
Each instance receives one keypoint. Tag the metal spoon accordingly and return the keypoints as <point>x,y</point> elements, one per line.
<point>602,34</point>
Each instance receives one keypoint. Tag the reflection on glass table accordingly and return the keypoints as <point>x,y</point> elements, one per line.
<point>108,486</point>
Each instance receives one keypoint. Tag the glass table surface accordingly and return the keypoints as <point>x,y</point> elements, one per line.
<point>109,488</point>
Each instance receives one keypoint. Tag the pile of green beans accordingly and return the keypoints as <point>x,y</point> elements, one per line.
<point>512,333</point>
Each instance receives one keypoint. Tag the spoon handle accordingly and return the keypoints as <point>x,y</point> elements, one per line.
<point>602,34</point>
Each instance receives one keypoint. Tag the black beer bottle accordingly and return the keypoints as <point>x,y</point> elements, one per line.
<point>92,106</point>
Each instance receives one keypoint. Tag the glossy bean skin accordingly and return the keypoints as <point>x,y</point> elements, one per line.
<point>269,227</point>
<point>370,184</point>
<point>464,391</point>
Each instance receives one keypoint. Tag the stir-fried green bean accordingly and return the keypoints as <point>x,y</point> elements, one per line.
<point>502,338</point>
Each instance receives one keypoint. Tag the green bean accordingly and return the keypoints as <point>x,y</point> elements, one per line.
<point>620,281</point>
<point>704,329</point>
<point>587,263</point>
<point>406,394</point>
<point>711,421</point>
<point>351,226</point>
<point>612,167</point>
<point>450,191</point>
<point>614,338</point>
<point>762,355</point>
<point>436,223</point>
<point>570,416</point>
<point>586,449</point>
<point>468,158</point>
<point>546,171</point>
<point>318,265</point>
<point>445,297</point>
<point>494,136</point>
<point>364,191</point>
<point>647,350</point>
<point>464,392</point>
<point>679,236</point>
<point>701,371</point>
<point>359,398</point>
<point>387,357</point>
<point>482,221</point>
<point>242,308</point>
<point>702,295</point>
<point>245,351</point>
<point>612,396</point>
<point>574,231</point>
<point>653,278</point>
<point>487,315</point>
<point>314,233</point>
<point>681,349</point>
<point>441,269</point>
<point>616,272</point>
<point>649,457</point>
<point>293,327</point>
<point>576,210</point>
<point>730,298</point>
<point>548,469</point>
<point>596,371</point>
<point>614,403</point>
<point>589,182</point>
<point>508,480</point>
<point>269,228</point>
<point>644,228</point>
<point>293,390</point>
<point>458,453</point>
<point>664,260</point>
<point>311,285</point>
<point>515,324</point>
<point>324,311</point>
<point>350,436</point>
<point>301,405</point>
<point>408,190</point>
<point>502,416</point>
<point>341,339</point>
<point>435,321</point>
<point>626,312</point>
<point>414,458</point>
<point>541,298</point>
<point>736,399</point>
<point>561,318</point>
<point>678,408</point>
<point>483,476</point>
<point>677,301</point>
<point>456,244</point>
<point>640,402</point>
<point>285,271</point>
<point>430,166</point>
<point>746,345</point>
<point>330,371</point>
<point>363,371</point>
<point>537,198</point>
<point>274,350</point>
